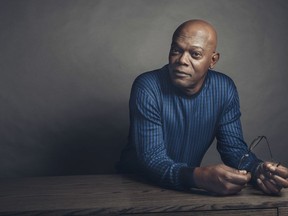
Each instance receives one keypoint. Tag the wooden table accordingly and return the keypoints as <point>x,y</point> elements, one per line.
<point>126,195</point>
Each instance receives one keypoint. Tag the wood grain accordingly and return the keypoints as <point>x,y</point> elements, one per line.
<point>117,194</point>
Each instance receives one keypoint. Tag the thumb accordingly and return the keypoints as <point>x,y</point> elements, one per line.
<point>236,171</point>
<point>231,169</point>
<point>239,177</point>
<point>244,172</point>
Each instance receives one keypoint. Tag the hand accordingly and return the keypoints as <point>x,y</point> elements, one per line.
<point>221,179</point>
<point>272,178</point>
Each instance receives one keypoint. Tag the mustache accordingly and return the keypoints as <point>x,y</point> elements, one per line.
<point>181,72</point>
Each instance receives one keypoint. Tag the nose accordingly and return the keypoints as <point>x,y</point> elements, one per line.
<point>184,59</point>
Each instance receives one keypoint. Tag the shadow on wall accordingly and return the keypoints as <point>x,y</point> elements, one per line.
<point>79,142</point>
<point>91,144</point>
<point>88,146</point>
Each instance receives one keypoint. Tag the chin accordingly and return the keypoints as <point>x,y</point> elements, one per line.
<point>180,83</point>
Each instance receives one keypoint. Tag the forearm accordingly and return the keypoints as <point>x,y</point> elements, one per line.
<point>163,170</point>
<point>147,135</point>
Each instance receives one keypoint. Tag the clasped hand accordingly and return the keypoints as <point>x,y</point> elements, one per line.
<point>271,178</point>
<point>223,180</point>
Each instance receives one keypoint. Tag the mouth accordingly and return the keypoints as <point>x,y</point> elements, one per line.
<point>181,74</point>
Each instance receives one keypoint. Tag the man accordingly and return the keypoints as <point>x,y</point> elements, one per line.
<point>178,110</point>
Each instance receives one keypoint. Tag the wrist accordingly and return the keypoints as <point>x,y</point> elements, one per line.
<point>199,177</point>
<point>255,172</point>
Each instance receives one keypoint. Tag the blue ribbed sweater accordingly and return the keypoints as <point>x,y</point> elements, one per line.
<point>170,130</point>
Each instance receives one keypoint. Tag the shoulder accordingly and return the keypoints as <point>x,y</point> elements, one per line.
<point>219,77</point>
<point>151,77</point>
<point>151,81</point>
<point>147,90</point>
<point>221,87</point>
<point>221,81</point>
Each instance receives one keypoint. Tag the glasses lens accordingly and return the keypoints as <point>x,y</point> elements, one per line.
<point>255,142</point>
<point>263,150</point>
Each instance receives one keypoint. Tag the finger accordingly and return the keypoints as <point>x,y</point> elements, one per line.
<point>233,188</point>
<point>269,185</point>
<point>262,186</point>
<point>268,166</point>
<point>280,170</point>
<point>280,181</point>
<point>235,176</point>
<point>244,172</point>
<point>238,178</point>
<point>237,171</point>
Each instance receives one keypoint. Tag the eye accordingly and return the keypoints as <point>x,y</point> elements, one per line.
<point>175,50</point>
<point>196,55</point>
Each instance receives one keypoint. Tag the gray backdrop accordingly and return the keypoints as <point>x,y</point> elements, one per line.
<point>66,68</point>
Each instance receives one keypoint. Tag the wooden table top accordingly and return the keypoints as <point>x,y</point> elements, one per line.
<point>117,194</point>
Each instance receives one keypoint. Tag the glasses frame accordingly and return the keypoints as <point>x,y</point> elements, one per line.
<point>253,144</point>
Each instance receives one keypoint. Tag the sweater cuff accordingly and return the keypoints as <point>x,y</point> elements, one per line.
<point>187,177</point>
<point>255,171</point>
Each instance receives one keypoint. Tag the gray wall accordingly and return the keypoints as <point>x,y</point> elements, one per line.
<point>66,68</point>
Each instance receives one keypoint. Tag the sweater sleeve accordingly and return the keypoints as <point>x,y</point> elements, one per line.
<point>230,142</point>
<point>146,133</point>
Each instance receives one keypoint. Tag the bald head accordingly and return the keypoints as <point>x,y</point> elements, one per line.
<point>200,28</point>
<point>192,54</point>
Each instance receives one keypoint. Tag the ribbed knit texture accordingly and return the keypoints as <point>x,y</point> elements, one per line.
<point>170,130</point>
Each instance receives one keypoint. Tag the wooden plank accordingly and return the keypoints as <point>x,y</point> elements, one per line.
<point>107,194</point>
<point>235,212</point>
<point>239,212</point>
<point>283,211</point>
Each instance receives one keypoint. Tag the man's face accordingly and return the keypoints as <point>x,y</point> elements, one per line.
<point>190,57</point>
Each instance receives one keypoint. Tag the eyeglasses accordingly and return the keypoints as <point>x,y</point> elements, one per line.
<point>244,159</point>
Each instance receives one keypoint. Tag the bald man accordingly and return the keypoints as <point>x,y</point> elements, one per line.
<point>177,111</point>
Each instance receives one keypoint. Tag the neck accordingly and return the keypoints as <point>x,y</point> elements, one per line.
<point>194,89</point>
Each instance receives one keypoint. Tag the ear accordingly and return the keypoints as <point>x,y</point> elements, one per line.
<point>215,58</point>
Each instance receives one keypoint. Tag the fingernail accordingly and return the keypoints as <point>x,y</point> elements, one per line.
<point>243,171</point>
<point>272,168</point>
<point>259,181</point>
